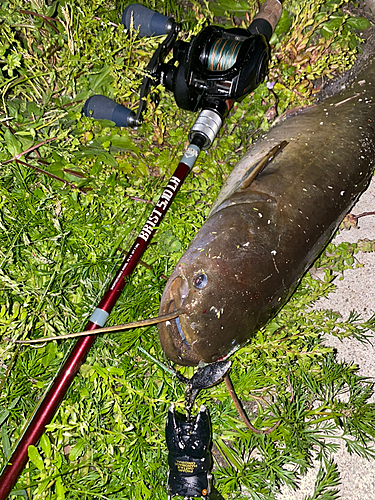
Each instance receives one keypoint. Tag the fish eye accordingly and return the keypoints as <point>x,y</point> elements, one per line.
<point>200,281</point>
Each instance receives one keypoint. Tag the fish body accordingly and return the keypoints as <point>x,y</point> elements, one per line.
<point>265,230</point>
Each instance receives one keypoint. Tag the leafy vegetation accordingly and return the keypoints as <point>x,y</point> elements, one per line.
<point>75,192</point>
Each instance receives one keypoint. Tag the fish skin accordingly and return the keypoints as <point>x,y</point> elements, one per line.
<point>259,241</point>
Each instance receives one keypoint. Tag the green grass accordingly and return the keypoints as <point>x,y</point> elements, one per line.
<point>62,240</point>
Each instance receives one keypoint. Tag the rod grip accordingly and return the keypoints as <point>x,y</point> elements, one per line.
<point>101,107</point>
<point>267,18</point>
<point>147,21</point>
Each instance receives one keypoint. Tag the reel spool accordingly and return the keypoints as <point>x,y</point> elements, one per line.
<point>223,54</point>
<point>216,66</point>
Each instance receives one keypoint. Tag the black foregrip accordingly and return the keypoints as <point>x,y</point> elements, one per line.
<point>101,107</point>
<point>147,21</point>
<point>261,27</point>
<point>267,18</point>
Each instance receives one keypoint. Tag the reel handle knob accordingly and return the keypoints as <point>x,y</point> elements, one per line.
<point>267,18</point>
<point>147,21</point>
<point>101,107</point>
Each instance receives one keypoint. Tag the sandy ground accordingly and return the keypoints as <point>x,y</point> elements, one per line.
<point>355,292</point>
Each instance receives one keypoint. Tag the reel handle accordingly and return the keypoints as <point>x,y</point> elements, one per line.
<point>147,21</point>
<point>265,21</point>
<point>101,107</point>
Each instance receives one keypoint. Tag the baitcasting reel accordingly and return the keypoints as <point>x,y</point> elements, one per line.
<point>216,68</point>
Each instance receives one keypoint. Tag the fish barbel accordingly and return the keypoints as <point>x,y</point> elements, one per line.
<point>276,212</point>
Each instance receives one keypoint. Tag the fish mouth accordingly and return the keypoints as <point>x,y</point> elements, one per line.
<point>172,338</point>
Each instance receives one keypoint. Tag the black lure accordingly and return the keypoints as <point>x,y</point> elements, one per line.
<point>189,458</point>
<point>189,438</point>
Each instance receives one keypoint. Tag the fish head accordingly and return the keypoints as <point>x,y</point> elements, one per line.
<point>212,289</point>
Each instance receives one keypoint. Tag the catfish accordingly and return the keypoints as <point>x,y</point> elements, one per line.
<point>276,212</point>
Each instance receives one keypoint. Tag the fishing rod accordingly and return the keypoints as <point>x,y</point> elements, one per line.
<point>207,75</point>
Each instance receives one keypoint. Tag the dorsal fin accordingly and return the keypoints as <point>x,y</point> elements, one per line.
<point>250,176</point>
